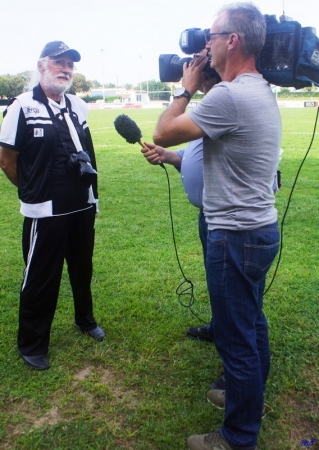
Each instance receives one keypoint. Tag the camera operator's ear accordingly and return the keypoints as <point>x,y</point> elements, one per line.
<point>234,39</point>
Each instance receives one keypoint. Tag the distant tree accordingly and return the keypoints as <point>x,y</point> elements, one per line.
<point>128,86</point>
<point>11,85</point>
<point>71,91</point>
<point>95,84</point>
<point>156,89</point>
<point>109,85</point>
<point>284,91</point>
<point>26,75</point>
<point>30,76</point>
<point>311,88</point>
<point>4,85</point>
<point>16,85</point>
<point>80,83</point>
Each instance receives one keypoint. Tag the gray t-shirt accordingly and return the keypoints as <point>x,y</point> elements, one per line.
<point>241,149</point>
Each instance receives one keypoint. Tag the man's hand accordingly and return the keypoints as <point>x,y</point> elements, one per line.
<point>153,153</point>
<point>192,73</point>
<point>175,126</point>
<point>156,154</point>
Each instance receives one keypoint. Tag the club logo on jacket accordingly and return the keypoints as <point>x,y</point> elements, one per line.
<point>38,132</point>
<point>30,109</point>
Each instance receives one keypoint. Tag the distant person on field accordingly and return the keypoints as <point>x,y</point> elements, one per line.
<point>46,151</point>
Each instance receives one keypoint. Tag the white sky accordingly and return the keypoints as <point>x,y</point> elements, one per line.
<point>132,33</point>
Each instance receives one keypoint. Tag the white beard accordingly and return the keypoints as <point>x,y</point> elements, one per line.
<point>55,85</point>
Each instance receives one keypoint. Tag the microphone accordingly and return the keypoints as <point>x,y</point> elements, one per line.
<point>129,130</point>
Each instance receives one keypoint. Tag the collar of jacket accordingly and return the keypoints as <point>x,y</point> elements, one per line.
<point>39,95</point>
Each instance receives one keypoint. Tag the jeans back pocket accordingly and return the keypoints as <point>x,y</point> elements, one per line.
<point>258,259</point>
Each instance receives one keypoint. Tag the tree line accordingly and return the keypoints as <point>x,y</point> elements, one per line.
<point>13,85</point>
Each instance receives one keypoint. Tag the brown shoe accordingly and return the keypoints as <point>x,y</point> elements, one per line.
<point>210,441</point>
<point>217,398</point>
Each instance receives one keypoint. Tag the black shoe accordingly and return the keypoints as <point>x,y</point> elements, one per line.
<point>220,383</point>
<point>97,333</point>
<point>38,362</point>
<point>202,333</point>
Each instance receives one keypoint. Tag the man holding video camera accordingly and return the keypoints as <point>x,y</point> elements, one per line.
<point>47,152</point>
<point>240,124</point>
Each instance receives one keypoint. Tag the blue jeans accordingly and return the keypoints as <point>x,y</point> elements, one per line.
<point>236,265</point>
<point>203,233</point>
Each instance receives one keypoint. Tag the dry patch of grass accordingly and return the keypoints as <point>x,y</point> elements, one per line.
<point>94,392</point>
<point>301,414</point>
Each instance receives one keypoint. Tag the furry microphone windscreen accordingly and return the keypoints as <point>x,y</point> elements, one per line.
<point>128,129</point>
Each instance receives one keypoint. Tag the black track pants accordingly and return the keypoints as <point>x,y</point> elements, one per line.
<point>46,243</point>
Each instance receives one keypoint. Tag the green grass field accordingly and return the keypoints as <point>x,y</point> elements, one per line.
<point>144,387</point>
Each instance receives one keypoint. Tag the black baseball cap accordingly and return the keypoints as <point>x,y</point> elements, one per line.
<point>57,48</point>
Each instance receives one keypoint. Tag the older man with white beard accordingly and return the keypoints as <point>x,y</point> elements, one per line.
<point>46,151</point>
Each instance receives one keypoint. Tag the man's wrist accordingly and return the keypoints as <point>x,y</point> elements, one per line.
<point>171,157</point>
<point>182,92</point>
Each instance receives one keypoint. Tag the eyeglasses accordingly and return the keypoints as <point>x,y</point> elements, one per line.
<point>61,63</point>
<point>209,36</point>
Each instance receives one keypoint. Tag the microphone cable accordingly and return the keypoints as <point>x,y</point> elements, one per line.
<point>288,204</point>
<point>186,288</point>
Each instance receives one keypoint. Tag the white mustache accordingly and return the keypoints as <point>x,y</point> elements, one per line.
<point>64,75</point>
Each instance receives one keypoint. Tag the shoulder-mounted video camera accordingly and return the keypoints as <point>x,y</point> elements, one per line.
<point>289,58</point>
<point>191,41</point>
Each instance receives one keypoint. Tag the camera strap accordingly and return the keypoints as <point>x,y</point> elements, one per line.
<point>73,132</point>
<point>62,109</point>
